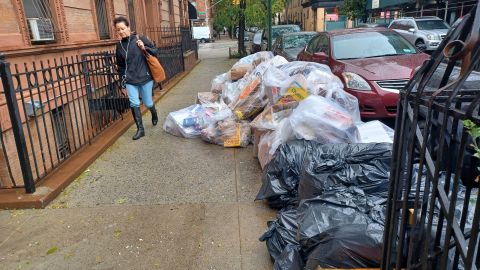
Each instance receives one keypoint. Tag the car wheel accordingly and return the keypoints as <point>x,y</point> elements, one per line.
<point>420,45</point>
<point>202,40</point>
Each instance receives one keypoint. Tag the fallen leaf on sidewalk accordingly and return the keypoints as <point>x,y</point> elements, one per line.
<point>52,250</point>
<point>117,232</point>
<point>68,255</point>
<point>120,200</point>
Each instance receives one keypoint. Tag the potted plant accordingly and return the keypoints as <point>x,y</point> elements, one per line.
<point>474,131</point>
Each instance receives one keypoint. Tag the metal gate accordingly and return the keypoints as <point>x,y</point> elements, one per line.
<point>434,208</point>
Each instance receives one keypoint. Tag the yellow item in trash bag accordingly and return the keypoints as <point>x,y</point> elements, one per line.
<point>294,93</point>
<point>235,140</point>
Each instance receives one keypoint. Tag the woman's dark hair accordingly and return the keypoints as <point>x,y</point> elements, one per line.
<point>120,20</point>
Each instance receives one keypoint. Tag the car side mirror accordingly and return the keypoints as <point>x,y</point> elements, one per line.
<point>320,57</point>
<point>411,30</point>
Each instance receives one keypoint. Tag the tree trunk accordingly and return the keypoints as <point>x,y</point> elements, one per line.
<point>286,13</point>
<point>241,28</point>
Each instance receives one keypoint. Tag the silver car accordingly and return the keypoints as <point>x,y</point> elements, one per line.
<point>425,32</point>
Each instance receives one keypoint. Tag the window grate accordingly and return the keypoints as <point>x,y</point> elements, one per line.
<point>131,15</point>
<point>102,19</point>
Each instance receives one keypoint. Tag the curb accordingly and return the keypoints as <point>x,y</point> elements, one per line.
<point>52,185</point>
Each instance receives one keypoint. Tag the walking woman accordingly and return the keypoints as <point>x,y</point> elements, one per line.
<point>133,69</point>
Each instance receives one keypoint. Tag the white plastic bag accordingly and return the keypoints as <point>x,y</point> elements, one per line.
<point>187,122</point>
<point>255,59</point>
<point>319,80</point>
<point>218,83</point>
<point>319,119</point>
<point>375,132</point>
<point>271,116</point>
<point>228,133</point>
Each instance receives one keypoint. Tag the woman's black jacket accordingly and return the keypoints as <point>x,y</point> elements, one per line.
<point>136,64</point>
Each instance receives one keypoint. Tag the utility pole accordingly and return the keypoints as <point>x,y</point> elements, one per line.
<point>269,24</point>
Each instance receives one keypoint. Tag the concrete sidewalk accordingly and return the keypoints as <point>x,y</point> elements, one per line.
<point>162,202</point>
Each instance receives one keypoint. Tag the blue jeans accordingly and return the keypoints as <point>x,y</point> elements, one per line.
<point>145,90</point>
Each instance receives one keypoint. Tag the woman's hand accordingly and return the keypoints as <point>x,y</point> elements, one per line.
<point>140,45</point>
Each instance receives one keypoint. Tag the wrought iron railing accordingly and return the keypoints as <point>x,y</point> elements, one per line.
<point>172,44</point>
<point>171,58</point>
<point>187,44</point>
<point>164,36</point>
<point>55,108</point>
<point>433,215</point>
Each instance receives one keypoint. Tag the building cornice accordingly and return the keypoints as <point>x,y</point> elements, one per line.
<point>55,48</point>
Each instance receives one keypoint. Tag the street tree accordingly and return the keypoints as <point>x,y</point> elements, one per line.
<point>255,14</point>
<point>232,13</point>
<point>256,11</point>
<point>354,9</point>
<point>226,15</point>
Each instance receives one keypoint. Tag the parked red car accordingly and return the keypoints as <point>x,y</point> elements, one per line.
<point>373,63</point>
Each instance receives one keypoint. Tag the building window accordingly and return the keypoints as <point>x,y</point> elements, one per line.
<point>102,19</point>
<point>131,15</point>
<point>61,133</point>
<point>40,20</point>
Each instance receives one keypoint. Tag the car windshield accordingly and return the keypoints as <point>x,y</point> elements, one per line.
<point>431,25</point>
<point>277,31</point>
<point>296,41</point>
<point>370,44</point>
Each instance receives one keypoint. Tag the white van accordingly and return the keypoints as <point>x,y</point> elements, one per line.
<point>202,33</point>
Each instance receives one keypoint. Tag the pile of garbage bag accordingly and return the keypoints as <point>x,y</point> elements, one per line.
<point>333,204</point>
<point>325,169</point>
<point>333,201</point>
<point>304,169</point>
<point>267,100</point>
<point>341,228</point>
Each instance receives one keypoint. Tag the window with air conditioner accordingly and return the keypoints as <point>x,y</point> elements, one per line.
<point>39,20</point>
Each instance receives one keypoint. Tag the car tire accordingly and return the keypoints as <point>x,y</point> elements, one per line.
<point>420,45</point>
<point>202,40</point>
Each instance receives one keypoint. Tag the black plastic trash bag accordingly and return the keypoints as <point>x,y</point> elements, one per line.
<point>290,259</point>
<point>363,165</point>
<point>280,176</point>
<point>319,167</point>
<point>336,208</point>
<point>348,246</point>
<point>281,232</point>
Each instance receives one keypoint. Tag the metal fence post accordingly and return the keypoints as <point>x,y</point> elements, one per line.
<point>17,126</point>
<point>182,48</point>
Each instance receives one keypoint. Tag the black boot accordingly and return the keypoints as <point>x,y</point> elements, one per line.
<point>137,116</point>
<point>153,111</point>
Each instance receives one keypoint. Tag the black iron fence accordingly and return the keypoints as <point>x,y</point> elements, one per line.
<point>434,208</point>
<point>55,108</point>
<point>187,44</point>
<point>172,44</point>
<point>171,58</point>
<point>164,36</point>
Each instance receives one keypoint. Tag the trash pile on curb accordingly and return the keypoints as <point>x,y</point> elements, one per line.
<point>272,101</point>
<point>325,169</point>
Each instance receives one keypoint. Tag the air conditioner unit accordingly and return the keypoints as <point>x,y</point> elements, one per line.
<point>41,29</point>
